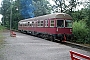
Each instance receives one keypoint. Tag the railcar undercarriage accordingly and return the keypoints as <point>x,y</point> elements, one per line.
<point>51,37</point>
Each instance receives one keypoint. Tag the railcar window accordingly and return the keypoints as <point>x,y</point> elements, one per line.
<point>20,24</point>
<point>32,24</point>
<point>38,23</point>
<point>46,23</point>
<point>52,23</point>
<point>41,23</point>
<point>25,24</point>
<point>60,23</point>
<point>68,23</point>
<point>28,23</point>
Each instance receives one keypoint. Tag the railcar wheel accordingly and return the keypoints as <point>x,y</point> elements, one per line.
<point>42,36</point>
<point>52,38</point>
<point>60,40</point>
<point>38,35</point>
<point>47,36</point>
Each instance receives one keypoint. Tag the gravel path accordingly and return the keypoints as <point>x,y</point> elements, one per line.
<point>26,47</point>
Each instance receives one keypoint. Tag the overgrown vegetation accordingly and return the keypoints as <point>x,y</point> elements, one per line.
<point>1,28</point>
<point>1,37</point>
<point>80,32</point>
<point>81,25</point>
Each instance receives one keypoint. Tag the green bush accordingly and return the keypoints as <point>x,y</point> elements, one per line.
<point>80,31</point>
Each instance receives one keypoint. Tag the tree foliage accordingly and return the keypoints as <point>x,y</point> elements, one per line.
<point>42,7</point>
<point>80,15</point>
<point>62,6</point>
<point>72,5</point>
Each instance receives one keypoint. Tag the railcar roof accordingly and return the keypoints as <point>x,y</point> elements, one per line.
<point>49,16</point>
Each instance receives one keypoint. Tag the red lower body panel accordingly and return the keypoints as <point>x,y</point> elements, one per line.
<point>50,30</point>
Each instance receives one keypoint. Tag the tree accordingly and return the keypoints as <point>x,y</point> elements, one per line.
<point>88,13</point>
<point>63,7</point>
<point>34,7</point>
<point>6,11</point>
<point>60,6</point>
<point>16,16</point>
<point>42,7</point>
<point>26,8</point>
<point>88,22</point>
<point>72,5</point>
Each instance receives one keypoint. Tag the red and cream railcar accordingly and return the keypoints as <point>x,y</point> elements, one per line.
<point>56,26</point>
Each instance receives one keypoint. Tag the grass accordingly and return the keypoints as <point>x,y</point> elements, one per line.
<point>86,45</point>
<point>1,40</point>
<point>1,36</point>
<point>1,28</point>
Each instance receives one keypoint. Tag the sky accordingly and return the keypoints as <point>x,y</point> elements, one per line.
<point>0,2</point>
<point>0,14</point>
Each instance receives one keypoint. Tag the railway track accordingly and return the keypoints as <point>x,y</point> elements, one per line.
<point>79,46</point>
<point>74,45</point>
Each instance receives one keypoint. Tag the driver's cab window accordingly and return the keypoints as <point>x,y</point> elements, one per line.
<point>60,23</point>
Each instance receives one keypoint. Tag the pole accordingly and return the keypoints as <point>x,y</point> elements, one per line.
<point>11,18</point>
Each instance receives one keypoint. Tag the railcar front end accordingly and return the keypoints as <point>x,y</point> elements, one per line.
<point>63,29</point>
